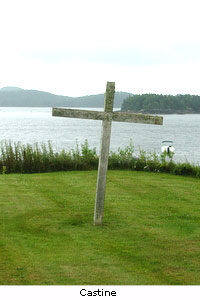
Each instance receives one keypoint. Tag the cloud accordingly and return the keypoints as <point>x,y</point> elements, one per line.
<point>76,78</point>
<point>174,54</point>
<point>62,25</point>
<point>74,47</point>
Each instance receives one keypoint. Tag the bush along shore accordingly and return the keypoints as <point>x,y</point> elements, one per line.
<point>19,158</point>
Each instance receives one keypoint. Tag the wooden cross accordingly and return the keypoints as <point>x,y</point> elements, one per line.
<point>107,117</point>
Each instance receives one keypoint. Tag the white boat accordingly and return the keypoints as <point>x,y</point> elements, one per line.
<point>167,147</point>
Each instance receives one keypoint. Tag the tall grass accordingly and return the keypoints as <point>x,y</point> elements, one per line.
<point>19,158</point>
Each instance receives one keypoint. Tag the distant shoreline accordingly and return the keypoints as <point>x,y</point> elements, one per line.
<point>116,109</point>
<point>164,112</point>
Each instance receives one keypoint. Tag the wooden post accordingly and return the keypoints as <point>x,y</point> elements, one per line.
<point>104,154</point>
<point>107,116</point>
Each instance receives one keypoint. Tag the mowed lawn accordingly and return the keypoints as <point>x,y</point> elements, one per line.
<point>151,231</point>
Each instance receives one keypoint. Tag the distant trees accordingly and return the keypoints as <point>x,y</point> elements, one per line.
<point>153,103</point>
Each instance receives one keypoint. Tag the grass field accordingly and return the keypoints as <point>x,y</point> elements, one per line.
<point>151,231</point>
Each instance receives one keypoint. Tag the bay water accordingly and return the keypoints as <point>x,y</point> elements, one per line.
<point>31,125</point>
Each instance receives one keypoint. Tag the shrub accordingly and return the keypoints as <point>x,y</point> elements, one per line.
<point>18,158</point>
<point>123,159</point>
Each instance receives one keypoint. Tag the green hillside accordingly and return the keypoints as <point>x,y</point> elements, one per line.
<point>16,97</point>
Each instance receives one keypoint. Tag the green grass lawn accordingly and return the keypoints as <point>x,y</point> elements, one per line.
<point>151,231</point>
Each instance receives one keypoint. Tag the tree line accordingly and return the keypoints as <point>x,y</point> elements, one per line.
<point>154,103</point>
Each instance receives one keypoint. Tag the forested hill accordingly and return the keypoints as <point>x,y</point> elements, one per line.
<point>16,97</point>
<point>162,104</point>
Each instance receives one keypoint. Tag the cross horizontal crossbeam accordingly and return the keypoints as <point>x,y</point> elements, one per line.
<point>114,116</point>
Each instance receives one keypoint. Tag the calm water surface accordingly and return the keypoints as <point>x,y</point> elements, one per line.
<point>30,125</point>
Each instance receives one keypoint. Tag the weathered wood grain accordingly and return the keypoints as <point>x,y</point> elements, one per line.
<point>102,171</point>
<point>104,153</point>
<point>137,118</point>
<point>114,116</point>
<point>77,113</point>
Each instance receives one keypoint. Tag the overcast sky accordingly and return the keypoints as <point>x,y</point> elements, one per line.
<point>73,47</point>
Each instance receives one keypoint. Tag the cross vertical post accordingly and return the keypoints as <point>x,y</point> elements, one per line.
<point>104,153</point>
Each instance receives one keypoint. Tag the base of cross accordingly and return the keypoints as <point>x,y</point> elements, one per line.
<point>98,220</point>
<point>107,116</point>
